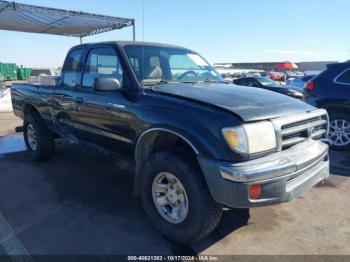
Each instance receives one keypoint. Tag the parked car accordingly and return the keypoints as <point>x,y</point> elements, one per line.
<point>277,76</point>
<point>331,90</point>
<point>299,82</point>
<point>264,74</point>
<point>268,84</point>
<point>198,143</point>
<point>290,74</point>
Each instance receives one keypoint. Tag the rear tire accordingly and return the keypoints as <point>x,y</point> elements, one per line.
<point>38,138</point>
<point>200,215</point>
<point>339,131</point>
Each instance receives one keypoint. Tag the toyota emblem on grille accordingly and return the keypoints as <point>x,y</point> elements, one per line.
<point>310,131</point>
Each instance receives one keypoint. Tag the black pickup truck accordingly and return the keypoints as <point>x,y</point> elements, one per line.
<point>199,143</point>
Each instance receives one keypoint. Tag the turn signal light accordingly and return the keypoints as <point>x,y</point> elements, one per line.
<point>309,86</point>
<point>255,191</point>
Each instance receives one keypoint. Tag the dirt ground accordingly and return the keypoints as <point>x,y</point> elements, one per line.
<point>80,203</point>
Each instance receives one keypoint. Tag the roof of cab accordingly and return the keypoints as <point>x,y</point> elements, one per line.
<point>136,43</point>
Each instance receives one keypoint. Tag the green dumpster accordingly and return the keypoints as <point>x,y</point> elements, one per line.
<point>11,71</point>
<point>20,73</point>
<point>27,72</point>
<point>8,71</point>
<point>23,73</point>
<point>2,70</point>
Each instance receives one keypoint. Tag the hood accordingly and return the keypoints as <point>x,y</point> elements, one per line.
<point>249,103</point>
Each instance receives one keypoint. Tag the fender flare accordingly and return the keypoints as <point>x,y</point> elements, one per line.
<point>138,143</point>
<point>29,107</point>
<point>138,149</point>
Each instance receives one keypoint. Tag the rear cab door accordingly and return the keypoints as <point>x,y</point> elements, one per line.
<point>65,101</point>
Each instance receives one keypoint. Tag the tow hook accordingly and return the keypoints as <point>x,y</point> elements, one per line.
<point>19,129</point>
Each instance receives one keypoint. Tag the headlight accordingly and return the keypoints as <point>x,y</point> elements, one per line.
<point>251,138</point>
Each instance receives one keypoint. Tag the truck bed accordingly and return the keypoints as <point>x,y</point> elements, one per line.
<point>37,95</point>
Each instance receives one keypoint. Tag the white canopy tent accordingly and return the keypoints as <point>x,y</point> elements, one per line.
<point>45,20</point>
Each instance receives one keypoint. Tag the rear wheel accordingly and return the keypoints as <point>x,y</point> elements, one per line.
<point>339,131</point>
<point>38,138</point>
<point>176,198</point>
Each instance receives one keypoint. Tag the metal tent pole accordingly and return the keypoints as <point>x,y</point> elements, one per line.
<point>133,30</point>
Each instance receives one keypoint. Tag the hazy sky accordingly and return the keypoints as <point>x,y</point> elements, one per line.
<point>221,30</point>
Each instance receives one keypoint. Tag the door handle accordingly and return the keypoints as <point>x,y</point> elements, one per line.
<point>79,99</point>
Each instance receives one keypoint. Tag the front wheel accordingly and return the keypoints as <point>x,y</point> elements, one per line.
<point>177,200</point>
<point>339,131</point>
<point>38,138</point>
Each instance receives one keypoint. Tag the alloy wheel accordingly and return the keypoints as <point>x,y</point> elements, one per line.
<point>339,132</point>
<point>31,137</point>
<point>170,197</point>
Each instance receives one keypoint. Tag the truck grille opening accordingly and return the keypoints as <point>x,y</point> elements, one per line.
<point>296,129</point>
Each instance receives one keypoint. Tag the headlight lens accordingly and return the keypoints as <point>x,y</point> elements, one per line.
<point>251,138</point>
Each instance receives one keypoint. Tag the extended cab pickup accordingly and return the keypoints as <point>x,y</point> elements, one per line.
<point>198,143</point>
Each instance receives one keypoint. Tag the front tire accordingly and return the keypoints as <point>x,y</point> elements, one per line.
<point>38,138</point>
<point>339,131</point>
<point>177,200</point>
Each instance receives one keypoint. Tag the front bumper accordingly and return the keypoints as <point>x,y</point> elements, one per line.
<point>283,175</point>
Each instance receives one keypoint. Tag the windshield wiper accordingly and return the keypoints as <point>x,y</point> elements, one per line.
<point>160,82</point>
<point>205,81</point>
<point>188,82</point>
<point>215,81</point>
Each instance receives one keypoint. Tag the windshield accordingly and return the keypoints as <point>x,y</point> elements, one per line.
<point>155,64</point>
<point>267,82</point>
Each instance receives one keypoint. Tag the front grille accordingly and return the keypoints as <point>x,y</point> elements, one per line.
<point>296,129</point>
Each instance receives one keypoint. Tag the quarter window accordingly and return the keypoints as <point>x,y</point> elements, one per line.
<point>344,78</point>
<point>71,74</point>
<point>101,62</point>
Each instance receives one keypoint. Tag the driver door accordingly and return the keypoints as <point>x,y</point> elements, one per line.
<point>103,117</point>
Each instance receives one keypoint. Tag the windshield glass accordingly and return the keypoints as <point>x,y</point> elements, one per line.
<point>267,82</point>
<point>154,64</point>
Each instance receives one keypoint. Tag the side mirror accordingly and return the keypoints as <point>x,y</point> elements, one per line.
<point>107,84</point>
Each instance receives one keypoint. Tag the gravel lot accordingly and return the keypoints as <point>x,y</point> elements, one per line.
<point>80,203</point>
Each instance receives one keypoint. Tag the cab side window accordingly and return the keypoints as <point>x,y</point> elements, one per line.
<point>71,67</point>
<point>101,62</point>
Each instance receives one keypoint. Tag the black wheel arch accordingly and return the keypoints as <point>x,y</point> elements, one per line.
<point>163,139</point>
<point>30,109</point>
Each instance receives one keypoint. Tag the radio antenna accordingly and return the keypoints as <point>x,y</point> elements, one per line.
<point>143,40</point>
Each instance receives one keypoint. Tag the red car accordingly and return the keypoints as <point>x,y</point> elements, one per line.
<point>275,76</point>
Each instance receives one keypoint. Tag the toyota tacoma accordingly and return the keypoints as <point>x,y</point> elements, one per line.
<point>198,143</point>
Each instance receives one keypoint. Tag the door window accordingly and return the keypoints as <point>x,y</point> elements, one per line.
<point>101,62</point>
<point>71,74</point>
<point>135,63</point>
